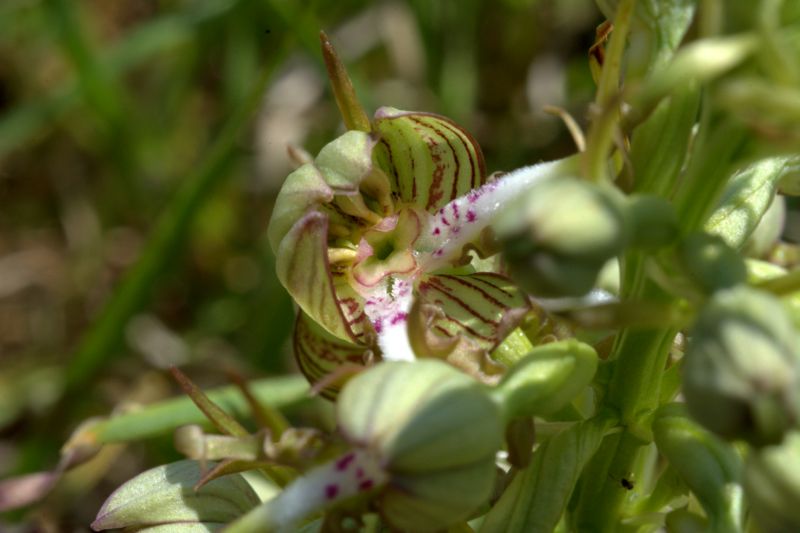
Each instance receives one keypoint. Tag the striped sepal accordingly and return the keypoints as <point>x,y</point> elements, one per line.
<point>303,268</point>
<point>463,317</point>
<point>429,159</point>
<point>319,354</point>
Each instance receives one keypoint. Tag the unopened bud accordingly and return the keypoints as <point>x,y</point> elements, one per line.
<point>560,234</point>
<point>436,432</point>
<point>772,486</point>
<point>742,367</point>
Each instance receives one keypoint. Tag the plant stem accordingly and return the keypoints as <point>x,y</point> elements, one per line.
<point>601,134</point>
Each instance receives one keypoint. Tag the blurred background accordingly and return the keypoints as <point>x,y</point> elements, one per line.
<point>142,144</point>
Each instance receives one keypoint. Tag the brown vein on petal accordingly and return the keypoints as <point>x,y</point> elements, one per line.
<point>443,290</point>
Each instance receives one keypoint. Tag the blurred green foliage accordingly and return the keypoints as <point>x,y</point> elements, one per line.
<point>142,144</point>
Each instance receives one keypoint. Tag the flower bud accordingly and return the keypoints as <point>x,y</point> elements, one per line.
<point>559,235</point>
<point>710,263</point>
<point>547,379</point>
<point>742,367</point>
<point>436,432</point>
<point>772,486</point>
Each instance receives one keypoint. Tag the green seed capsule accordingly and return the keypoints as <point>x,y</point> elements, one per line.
<point>742,368</point>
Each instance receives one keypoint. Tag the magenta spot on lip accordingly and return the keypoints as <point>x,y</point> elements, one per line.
<point>399,317</point>
<point>345,461</point>
<point>366,485</point>
<point>331,491</point>
<point>438,253</point>
<point>473,196</point>
<point>441,211</point>
<point>436,231</point>
<point>471,216</point>
<point>455,210</point>
<point>378,326</point>
<point>445,222</point>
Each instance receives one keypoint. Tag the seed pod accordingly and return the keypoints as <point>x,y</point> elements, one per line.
<point>772,486</point>
<point>742,367</point>
<point>436,432</point>
<point>560,233</point>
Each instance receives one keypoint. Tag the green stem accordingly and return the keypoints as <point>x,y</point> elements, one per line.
<point>163,417</point>
<point>601,134</point>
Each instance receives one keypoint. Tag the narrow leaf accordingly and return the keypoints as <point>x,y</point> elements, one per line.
<point>224,422</point>
<point>352,113</point>
<point>538,495</point>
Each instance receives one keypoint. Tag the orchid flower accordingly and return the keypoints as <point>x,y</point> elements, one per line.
<point>373,241</point>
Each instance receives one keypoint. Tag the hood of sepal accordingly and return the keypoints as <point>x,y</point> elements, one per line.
<point>165,495</point>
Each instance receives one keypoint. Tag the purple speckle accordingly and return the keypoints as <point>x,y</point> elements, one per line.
<point>331,491</point>
<point>399,317</point>
<point>366,485</point>
<point>441,211</point>
<point>438,253</point>
<point>436,231</point>
<point>344,462</point>
<point>473,196</point>
<point>471,216</point>
<point>445,221</point>
<point>378,326</point>
<point>455,211</point>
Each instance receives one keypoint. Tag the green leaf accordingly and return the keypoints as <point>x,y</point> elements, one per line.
<point>538,495</point>
<point>746,198</point>
<point>221,420</point>
<point>165,496</point>
<point>430,160</point>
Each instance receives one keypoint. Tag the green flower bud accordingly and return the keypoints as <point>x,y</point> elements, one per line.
<point>742,367</point>
<point>772,486</point>
<point>710,467</point>
<point>547,379</point>
<point>559,235</point>
<point>710,263</point>
<point>436,432</point>
<point>654,222</point>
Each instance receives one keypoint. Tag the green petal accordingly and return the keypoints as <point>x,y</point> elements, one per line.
<point>303,189</point>
<point>303,268</point>
<point>430,160</point>
<point>463,317</point>
<point>319,354</point>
